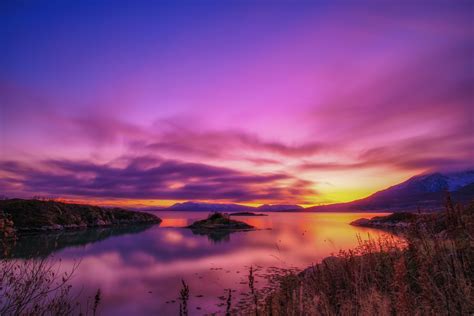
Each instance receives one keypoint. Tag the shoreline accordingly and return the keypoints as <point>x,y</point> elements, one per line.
<point>19,217</point>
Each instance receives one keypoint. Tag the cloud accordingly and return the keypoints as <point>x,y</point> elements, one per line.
<point>393,91</point>
<point>223,142</point>
<point>145,178</point>
<point>428,153</point>
<point>414,113</point>
<point>430,91</point>
<point>30,118</point>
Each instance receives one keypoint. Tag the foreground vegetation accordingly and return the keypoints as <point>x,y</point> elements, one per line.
<point>430,273</point>
<point>38,287</point>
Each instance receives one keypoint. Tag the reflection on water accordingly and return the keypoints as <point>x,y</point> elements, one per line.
<point>214,236</point>
<point>43,245</point>
<point>141,273</point>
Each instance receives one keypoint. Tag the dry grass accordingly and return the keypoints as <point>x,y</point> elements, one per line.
<point>37,287</point>
<point>430,273</point>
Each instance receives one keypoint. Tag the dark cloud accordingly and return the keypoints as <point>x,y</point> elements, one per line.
<point>158,179</point>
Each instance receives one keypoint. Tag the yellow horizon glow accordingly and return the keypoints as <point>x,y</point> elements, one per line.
<point>340,188</point>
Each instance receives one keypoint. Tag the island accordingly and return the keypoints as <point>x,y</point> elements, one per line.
<point>218,227</point>
<point>219,221</point>
<point>247,214</point>
<point>29,216</point>
<point>396,221</point>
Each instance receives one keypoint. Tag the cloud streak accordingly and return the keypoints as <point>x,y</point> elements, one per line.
<point>256,105</point>
<point>150,179</point>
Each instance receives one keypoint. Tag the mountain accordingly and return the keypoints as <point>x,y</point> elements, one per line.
<point>426,191</point>
<point>209,207</point>
<point>279,208</point>
<point>217,207</point>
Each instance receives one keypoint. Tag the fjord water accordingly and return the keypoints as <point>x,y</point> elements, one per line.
<point>139,270</point>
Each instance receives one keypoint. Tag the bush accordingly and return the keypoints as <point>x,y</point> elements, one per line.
<point>431,272</point>
<point>35,287</point>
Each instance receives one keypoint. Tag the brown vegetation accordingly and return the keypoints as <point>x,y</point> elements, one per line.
<point>183,299</point>
<point>37,287</point>
<point>431,272</point>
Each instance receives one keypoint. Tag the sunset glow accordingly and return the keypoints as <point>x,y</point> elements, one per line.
<point>231,102</point>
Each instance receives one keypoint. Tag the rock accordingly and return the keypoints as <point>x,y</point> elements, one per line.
<point>219,221</point>
<point>100,222</point>
<point>361,222</point>
<point>393,221</point>
<point>6,226</point>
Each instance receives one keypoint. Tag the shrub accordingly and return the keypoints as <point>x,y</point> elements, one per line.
<point>431,272</point>
<point>35,287</point>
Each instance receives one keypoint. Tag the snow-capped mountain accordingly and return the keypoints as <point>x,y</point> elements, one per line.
<point>426,191</point>
<point>429,183</point>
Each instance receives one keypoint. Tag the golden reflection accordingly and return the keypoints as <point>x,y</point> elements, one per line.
<point>173,222</point>
<point>259,222</point>
<point>173,237</point>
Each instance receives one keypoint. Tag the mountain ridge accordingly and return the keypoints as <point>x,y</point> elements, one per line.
<point>230,207</point>
<point>424,191</point>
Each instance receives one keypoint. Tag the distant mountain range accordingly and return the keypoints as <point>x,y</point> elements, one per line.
<point>279,208</point>
<point>426,191</point>
<point>217,207</point>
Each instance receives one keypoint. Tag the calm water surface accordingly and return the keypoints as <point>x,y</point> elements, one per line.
<point>139,270</point>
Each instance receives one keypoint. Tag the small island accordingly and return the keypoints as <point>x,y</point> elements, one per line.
<point>395,221</point>
<point>30,216</point>
<point>247,214</point>
<point>218,227</point>
<point>219,221</point>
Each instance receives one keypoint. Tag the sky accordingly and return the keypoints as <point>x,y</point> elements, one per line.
<point>251,102</point>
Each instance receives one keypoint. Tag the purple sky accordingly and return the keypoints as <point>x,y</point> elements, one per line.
<point>235,101</point>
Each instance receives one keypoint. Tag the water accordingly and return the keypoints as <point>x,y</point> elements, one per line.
<point>139,270</point>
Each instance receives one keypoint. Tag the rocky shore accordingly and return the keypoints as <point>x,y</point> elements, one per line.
<point>428,272</point>
<point>25,216</point>
<point>393,221</point>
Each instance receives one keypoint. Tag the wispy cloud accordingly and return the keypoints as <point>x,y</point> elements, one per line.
<point>268,109</point>
<point>148,178</point>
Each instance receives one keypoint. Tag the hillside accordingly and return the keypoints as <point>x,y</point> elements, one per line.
<point>36,215</point>
<point>425,191</point>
